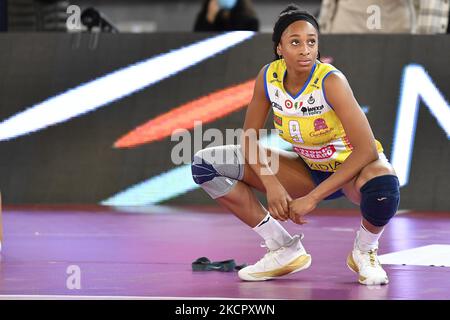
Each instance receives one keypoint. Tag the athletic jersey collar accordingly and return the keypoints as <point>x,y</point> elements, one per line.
<point>304,86</point>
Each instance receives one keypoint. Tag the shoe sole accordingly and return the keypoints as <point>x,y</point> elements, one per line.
<point>351,264</point>
<point>298,264</point>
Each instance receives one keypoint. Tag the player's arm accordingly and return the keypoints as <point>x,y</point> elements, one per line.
<point>340,96</point>
<point>255,119</point>
<point>359,133</point>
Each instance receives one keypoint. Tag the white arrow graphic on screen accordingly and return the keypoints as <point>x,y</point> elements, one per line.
<point>416,85</point>
<point>114,86</point>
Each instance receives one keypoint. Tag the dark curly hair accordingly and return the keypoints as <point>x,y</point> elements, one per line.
<point>289,15</point>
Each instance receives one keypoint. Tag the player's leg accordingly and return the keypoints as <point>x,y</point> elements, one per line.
<point>376,190</point>
<point>227,182</point>
<point>231,183</point>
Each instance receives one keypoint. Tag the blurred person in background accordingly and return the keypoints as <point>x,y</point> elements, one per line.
<point>352,16</point>
<point>226,15</point>
<point>395,16</point>
<point>432,16</point>
<point>36,15</point>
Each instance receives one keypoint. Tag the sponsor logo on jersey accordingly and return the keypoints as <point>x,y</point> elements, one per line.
<point>275,75</point>
<point>311,99</point>
<point>298,104</point>
<point>311,111</point>
<point>321,132</point>
<point>316,154</point>
<point>320,128</point>
<point>330,167</point>
<point>288,104</point>
<point>320,124</point>
<point>276,105</point>
<point>278,120</point>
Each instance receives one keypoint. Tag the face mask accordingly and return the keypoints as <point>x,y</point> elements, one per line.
<point>227,4</point>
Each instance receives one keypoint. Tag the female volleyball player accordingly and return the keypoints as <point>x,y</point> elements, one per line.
<point>334,154</point>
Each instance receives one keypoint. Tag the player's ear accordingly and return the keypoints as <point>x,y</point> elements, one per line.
<point>279,53</point>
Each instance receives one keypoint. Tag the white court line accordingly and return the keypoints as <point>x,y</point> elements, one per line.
<point>437,255</point>
<point>74,297</point>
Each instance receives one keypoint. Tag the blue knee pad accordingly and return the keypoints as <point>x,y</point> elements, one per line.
<point>380,198</point>
<point>203,171</point>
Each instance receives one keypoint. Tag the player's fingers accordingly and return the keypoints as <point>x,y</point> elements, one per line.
<point>285,205</point>
<point>281,213</point>
<point>274,213</point>
<point>291,213</point>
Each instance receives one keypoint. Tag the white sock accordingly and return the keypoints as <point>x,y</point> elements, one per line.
<point>366,240</point>
<point>272,232</point>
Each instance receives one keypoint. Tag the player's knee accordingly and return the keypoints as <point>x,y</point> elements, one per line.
<point>217,169</point>
<point>380,197</point>
<point>374,170</point>
<point>202,170</point>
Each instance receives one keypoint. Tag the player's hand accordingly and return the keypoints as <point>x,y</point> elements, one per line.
<point>300,207</point>
<point>278,201</point>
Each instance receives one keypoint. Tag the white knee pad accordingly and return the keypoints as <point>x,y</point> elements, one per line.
<point>217,169</point>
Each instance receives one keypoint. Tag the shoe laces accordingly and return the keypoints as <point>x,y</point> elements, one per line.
<point>372,255</point>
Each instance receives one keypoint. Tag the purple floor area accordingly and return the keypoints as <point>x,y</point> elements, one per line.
<point>148,252</point>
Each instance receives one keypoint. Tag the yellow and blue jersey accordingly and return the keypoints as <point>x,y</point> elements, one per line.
<point>307,120</point>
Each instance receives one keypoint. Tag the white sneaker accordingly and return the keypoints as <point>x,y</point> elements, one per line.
<point>367,265</point>
<point>285,260</point>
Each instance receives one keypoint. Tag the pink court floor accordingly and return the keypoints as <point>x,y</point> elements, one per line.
<point>146,253</point>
